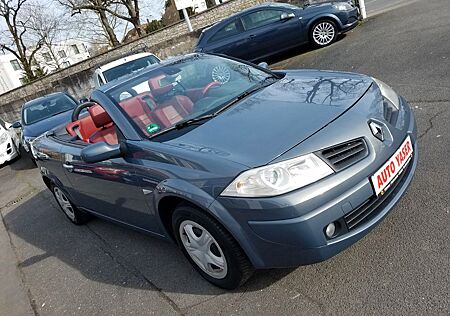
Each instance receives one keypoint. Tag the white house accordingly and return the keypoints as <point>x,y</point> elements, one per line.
<point>62,55</point>
<point>11,73</point>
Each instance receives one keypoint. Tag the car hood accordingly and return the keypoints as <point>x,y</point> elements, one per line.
<point>269,122</point>
<point>45,125</point>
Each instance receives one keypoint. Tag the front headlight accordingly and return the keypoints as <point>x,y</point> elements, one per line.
<point>344,6</point>
<point>278,178</point>
<point>3,137</point>
<point>388,93</point>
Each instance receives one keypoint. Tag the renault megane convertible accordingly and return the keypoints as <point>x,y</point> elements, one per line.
<point>244,168</point>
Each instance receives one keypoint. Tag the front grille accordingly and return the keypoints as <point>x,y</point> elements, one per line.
<point>343,155</point>
<point>371,207</point>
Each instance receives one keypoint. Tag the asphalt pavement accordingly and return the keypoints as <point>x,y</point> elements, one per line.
<point>402,267</point>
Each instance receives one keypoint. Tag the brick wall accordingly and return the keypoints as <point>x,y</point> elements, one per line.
<point>76,80</point>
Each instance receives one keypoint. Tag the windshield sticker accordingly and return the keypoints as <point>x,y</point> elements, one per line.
<point>152,128</point>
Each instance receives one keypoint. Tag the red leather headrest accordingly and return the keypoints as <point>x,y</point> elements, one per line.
<point>99,116</point>
<point>156,88</point>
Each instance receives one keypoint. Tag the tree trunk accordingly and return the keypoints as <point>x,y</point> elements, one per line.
<point>53,55</point>
<point>21,52</point>
<point>27,69</point>
<point>112,38</point>
<point>133,11</point>
<point>137,25</point>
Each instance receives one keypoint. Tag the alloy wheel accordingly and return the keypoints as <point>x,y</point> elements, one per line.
<point>324,33</point>
<point>64,202</point>
<point>203,249</point>
<point>221,74</point>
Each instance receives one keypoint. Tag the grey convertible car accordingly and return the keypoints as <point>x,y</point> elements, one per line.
<point>242,167</point>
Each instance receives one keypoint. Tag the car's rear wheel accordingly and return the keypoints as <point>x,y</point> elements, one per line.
<point>69,209</point>
<point>323,33</point>
<point>210,248</point>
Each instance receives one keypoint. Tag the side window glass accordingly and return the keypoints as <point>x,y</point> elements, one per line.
<point>228,30</point>
<point>261,18</point>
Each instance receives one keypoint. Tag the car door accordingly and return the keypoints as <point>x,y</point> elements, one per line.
<point>229,40</point>
<point>110,188</point>
<point>270,31</point>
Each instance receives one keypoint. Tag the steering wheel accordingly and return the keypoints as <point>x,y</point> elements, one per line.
<point>209,86</point>
<point>76,112</point>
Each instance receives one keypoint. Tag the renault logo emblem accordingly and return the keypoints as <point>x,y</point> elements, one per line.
<point>377,130</point>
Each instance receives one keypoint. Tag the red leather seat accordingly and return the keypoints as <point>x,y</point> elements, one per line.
<point>173,110</point>
<point>170,110</point>
<point>83,128</point>
<point>139,110</point>
<point>106,129</point>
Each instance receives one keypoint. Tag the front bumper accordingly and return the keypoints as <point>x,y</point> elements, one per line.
<point>297,236</point>
<point>349,20</point>
<point>7,151</point>
<point>349,26</point>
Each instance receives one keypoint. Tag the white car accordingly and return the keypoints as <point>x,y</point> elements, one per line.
<point>122,67</point>
<point>9,143</point>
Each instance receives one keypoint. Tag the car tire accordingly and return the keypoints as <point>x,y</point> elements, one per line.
<point>323,33</point>
<point>76,216</point>
<point>216,245</point>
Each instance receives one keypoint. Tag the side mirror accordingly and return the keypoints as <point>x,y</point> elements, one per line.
<point>16,125</point>
<point>264,65</point>
<point>99,152</point>
<point>84,100</point>
<point>287,16</point>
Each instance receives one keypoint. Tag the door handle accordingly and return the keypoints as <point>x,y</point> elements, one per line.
<point>252,36</point>
<point>68,167</point>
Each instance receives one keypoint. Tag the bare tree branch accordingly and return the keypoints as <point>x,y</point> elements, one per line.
<point>12,12</point>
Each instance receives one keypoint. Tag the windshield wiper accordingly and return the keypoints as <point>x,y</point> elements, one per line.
<point>262,84</point>
<point>59,112</point>
<point>194,120</point>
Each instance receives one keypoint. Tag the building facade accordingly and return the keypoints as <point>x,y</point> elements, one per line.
<point>61,55</point>
<point>11,74</point>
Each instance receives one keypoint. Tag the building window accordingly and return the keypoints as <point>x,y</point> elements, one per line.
<point>75,49</point>
<point>47,57</point>
<point>65,64</point>
<point>15,64</point>
<point>62,54</point>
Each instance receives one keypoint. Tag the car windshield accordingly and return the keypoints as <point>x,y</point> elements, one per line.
<point>187,89</point>
<point>129,67</point>
<point>46,107</point>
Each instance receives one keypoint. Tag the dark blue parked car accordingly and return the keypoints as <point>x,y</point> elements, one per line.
<point>265,30</point>
<point>43,114</point>
<point>242,167</point>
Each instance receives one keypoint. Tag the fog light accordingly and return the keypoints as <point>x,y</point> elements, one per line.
<point>330,230</point>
